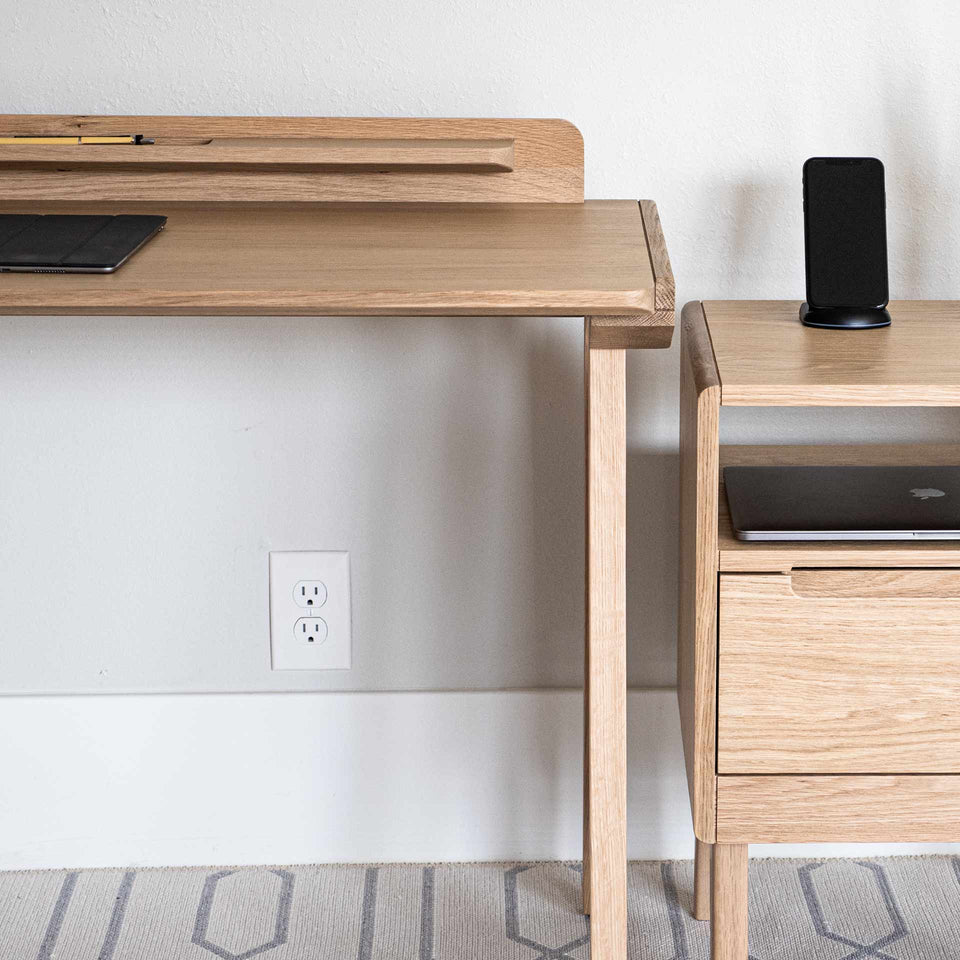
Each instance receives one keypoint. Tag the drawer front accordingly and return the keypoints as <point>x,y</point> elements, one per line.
<point>838,809</point>
<point>839,671</point>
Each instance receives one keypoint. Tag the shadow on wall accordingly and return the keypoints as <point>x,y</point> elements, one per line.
<point>486,517</point>
<point>492,524</point>
<point>920,155</point>
<point>749,222</point>
<point>652,555</point>
<point>652,515</point>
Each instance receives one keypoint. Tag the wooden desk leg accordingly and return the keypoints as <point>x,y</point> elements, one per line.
<point>605,781</point>
<point>702,859</point>
<point>728,931</point>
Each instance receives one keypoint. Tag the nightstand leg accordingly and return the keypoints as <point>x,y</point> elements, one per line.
<point>587,859</point>
<point>605,787</point>
<point>702,860</point>
<point>728,931</point>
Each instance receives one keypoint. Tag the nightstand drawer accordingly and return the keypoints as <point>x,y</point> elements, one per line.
<point>839,671</point>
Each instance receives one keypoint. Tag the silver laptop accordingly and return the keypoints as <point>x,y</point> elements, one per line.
<point>844,503</point>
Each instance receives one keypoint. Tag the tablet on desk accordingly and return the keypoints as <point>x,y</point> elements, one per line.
<point>60,243</point>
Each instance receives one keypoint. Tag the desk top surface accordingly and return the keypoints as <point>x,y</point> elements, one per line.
<point>374,259</point>
<point>766,357</point>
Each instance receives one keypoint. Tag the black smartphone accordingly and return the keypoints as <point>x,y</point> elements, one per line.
<point>845,232</point>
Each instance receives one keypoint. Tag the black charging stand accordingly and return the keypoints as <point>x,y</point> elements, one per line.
<point>844,318</point>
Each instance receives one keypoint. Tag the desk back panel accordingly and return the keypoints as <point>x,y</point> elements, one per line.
<point>468,160</point>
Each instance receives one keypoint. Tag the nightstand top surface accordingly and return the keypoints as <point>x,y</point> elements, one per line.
<point>766,357</point>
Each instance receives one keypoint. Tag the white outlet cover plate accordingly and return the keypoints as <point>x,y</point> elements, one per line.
<point>288,651</point>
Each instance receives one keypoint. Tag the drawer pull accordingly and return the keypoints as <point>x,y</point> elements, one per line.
<point>874,584</point>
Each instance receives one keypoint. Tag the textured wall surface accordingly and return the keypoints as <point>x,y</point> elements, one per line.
<point>148,466</point>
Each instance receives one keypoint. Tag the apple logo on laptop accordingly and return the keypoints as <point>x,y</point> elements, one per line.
<point>926,493</point>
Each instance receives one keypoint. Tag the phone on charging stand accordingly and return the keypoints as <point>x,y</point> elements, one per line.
<point>845,243</point>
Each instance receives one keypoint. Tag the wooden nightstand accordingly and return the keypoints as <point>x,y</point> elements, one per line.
<point>819,683</point>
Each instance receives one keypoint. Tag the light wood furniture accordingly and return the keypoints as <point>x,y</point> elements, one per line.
<point>274,153</point>
<point>440,259</point>
<point>817,681</point>
<point>546,164</point>
<point>374,217</point>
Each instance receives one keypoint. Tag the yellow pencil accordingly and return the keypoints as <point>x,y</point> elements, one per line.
<point>63,141</point>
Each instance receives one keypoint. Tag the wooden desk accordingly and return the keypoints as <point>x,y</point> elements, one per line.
<point>369,259</point>
<point>319,217</point>
<point>817,680</point>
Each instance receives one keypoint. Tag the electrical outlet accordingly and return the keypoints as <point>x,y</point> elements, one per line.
<point>318,582</point>
<point>310,593</point>
<point>310,630</point>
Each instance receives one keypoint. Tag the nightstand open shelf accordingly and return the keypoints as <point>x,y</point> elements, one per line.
<point>744,556</point>
<point>818,682</point>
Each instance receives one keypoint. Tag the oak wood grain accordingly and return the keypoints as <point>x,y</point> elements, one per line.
<point>746,556</point>
<point>271,153</point>
<point>767,357</point>
<point>606,677</point>
<point>372,241</point>
<point>361,259</point>
<point>702,885</point>
<point>836,660</point>
<point>872,584</point>
<point>547,162</point>
<point>697,632</point>
<point>665,293</point>
<point>653,330</point>
<point>838,809</point>
<point>850,672</point>
<point>637,332</point>
<point>729,886</point>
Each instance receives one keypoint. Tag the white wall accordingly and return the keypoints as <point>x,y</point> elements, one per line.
<point>301,778</point>
<point>148,466</point>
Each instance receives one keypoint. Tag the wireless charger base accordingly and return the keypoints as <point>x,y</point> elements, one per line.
<point>844,318</point>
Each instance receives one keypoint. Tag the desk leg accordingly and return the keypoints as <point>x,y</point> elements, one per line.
<point>605,739</point>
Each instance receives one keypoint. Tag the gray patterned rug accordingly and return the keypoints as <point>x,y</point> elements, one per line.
<point>901,908</point>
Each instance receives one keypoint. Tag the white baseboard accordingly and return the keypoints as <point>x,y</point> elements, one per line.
<point>300,778</point>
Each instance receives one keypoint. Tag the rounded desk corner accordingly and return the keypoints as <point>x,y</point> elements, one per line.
<point>573,128</point>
